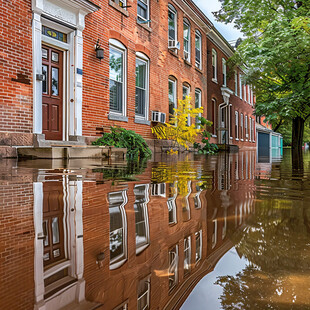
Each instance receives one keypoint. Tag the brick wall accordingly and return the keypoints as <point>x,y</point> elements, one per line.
<point>15,72</point>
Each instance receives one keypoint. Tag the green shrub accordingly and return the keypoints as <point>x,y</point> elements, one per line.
<point>122,138</point>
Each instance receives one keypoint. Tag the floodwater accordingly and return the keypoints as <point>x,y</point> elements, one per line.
<point>230,231</point>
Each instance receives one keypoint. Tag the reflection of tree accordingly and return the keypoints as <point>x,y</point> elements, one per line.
<point>276,243</point>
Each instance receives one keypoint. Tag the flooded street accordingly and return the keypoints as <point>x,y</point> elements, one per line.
<point>230,231</point>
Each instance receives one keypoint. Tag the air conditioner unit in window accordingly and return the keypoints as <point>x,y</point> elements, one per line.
<point>158,117</point>
<point>173,44</point>
<point>186,55</point>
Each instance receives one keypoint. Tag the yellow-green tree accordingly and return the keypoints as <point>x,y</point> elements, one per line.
<point>179,129</point>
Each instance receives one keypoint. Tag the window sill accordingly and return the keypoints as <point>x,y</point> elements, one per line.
<point>214,80</point>
<point>142,121</point>
<point>173,53</point>
<point>118,8</point>
<point>198,69</point>
<point>145,26</point>
<point>187,63</point>
<point>117,117</point>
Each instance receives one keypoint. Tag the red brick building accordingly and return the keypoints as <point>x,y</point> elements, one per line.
<point>54,88</point>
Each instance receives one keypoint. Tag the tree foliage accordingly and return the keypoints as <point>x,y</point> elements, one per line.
<point>275,54</point>
<point>178,128</point>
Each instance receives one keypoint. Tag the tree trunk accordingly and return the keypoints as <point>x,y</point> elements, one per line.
<point>297,142</point>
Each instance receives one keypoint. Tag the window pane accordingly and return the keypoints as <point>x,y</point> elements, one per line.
<point>45,82</point>
<point>172,103</point>
<point>55,82</point>
<point>116,65</point>
<point>116,96</point>
<point>140,73</point>
<point>171,25</point>
<point>55,230</point>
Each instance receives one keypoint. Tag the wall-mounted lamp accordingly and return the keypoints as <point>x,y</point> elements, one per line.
<point>99,51</point>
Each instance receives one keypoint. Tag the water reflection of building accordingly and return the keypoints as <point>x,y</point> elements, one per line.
<point>126,244</point>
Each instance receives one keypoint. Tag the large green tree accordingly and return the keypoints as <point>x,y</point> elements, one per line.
<point>275,56</point>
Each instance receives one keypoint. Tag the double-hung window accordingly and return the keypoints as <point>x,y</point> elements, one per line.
<point>186,91</point>
<point>236,83</point>
<point>224,69</point>
<point>246,127</point>
<point>187,255</point>
<point>173,267</point>
<point>240,86</point>
<point>172,96</point>
<point>121,3</point>
<point>117,78</point>
<point>142,86</point>
<point>198,49</point>
<point>143,11</point>
<point>198,254</point>
<point>214,65</point>
<point>187,40</point>
<point>198,105</point>
<point>172,23</point>
<point>236,125</point>
<point>241,126</point>
<point>144,289</point>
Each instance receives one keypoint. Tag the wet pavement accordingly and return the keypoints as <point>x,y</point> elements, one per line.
<point>230,231</point>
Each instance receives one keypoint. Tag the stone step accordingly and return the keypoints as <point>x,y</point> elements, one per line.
<point>72,152</point>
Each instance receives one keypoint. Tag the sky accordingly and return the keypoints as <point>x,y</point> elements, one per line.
<point>227,31</point>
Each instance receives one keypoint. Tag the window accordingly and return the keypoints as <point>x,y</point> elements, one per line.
<point>121,3</point>
<point>187,39</point>
<point>241,126</point>
<point>214,65</point>
<point>198,105</point>
<point>250,129</point>
<point>117,77</point>
<point>224,230</point>
<point>187,255</point>
<point>236,83</point>
<point>197,201</point>
<point>172,23</point>
<point>198,237</point>
<point>213,116</point>
<point>224,68</point>
<point>123,306</point>
<point>159,189</point>
<point>143,11</point>
<point>173,267</point>
<point>236,125</point>
<point>198,49</point>
<point>141,217</point>
<point>186,90</point>
<point>118,229</point>
<point>246,127</point>
<point>214,233</point>
<point>240,86</point>
<point>142,86</point>
<point>186,211</point>
<point>171,203</point>
<point>172,97</point>
<point>144,288</point>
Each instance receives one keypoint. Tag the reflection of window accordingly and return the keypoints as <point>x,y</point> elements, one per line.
<point>186,212</point>
<point>117,77</point>
<point>187,39</point>
<point>187,255</point>
<point>224,231</point>
<point>198,237</point>
<point>198,49</point>
<point>123,306</point>
<point>118,229</point>
<point>172,22</point>
<point>197,200</point>
<point>172,96</point>
<point>173,267</point>
<point>214,233</point>
<point>141,217</point>
<point>159,189</point>
<point>172,207</point>
<point>142,86</point>
<point>144,293</point>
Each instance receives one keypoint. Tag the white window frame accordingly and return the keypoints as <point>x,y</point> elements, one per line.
<point>187,255</point>
<point>241,126</point>
<point>199,235</point>
<point>171,203</point>
<point>119,261</point>
<point>214,65</point>
<point>236,83</point>
<point>144,58</point>
<point>172,9</point>
<point>123,2</point>
<point>141,18</point>
<point>118,46</point>
<point>246,127</point>
<point>174,83</point>
<point>214,233</point>
<point>187,23</point>
<point>214,104</point>
<point>224,69</point>
<point>173,266</point>
<point>147,293</point>
<point>198,64</point>
<point>141,247</point>
<point>199,93</point>
<point>240,86</point>
<point>236,125</point>
<point>250,131</point>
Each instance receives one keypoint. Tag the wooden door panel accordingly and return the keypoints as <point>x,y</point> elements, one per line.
<point>52,90</point>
